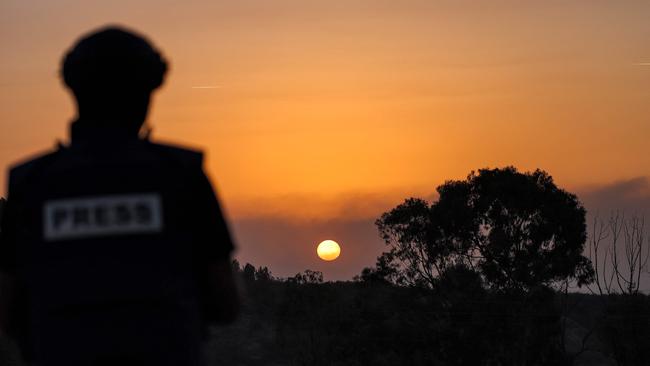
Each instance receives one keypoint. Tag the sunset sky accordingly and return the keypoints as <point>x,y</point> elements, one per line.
<point>317,116</point>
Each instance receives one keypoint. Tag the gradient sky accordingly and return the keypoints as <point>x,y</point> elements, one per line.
<point>317,116</point>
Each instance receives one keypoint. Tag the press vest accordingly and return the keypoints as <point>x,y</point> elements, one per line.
<point>109,243</point>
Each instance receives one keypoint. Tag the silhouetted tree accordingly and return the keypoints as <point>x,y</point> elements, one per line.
<point>263,274</point>
<point>621,245</point>
<point>385,271</point>
<point>518,230</point>
<point>306,277</point>
<point>249,272</point>
<point>620,249</point>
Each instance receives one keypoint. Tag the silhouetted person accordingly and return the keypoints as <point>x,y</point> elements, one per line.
<point>113,249</point>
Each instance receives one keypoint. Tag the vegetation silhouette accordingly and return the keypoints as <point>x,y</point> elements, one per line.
<point>436,298</point>
<point>288,322</point>
<point>620,250</point>
<point>518,230</point>
<point>463,313</point>
<point>488,251</point>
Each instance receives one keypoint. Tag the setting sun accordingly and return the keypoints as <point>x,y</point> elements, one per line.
<point>328,250</point>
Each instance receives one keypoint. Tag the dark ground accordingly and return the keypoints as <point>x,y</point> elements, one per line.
<point>357,323</point>
<point>353,323</point>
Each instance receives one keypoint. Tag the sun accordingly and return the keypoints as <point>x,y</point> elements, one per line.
<point>328,250</point>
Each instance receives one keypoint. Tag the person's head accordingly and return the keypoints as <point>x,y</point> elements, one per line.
<point>112,72</point>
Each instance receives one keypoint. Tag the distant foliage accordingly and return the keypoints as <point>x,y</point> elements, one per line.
<point>460,322</point>
<point>263,274</point>
<point>486,254</point>
<point>619,248</point>
<point>249,272</point>
<point>467,280</point>
<point>307,277</point>
<point>518,230</point>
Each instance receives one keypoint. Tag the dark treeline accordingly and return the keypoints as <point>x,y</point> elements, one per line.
<point>482,276</point>
<point>304,321</point>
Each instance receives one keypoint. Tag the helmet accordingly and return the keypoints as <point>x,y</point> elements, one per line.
<point>113,59</point>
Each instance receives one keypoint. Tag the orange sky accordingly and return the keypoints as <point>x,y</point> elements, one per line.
<point>339,109</point>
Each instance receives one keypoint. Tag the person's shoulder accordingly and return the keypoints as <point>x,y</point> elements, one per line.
<point>186,156</point>
<point>24,168</point>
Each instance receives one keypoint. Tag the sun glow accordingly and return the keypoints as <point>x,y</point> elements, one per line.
<point>328,250</point>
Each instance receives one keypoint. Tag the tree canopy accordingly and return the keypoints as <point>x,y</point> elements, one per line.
<point>518,230</point>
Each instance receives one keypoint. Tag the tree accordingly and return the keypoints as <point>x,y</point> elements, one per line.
<point>263,274</point>
<point>518,230</point>
<point>249,272</point>
<point>622,245</point>
<point>620,249</point>
<point>307,277</point>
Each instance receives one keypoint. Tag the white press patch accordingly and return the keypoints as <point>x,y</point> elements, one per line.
<point>80,218</point>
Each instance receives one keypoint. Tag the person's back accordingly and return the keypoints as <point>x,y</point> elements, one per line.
<point>117,244</point>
